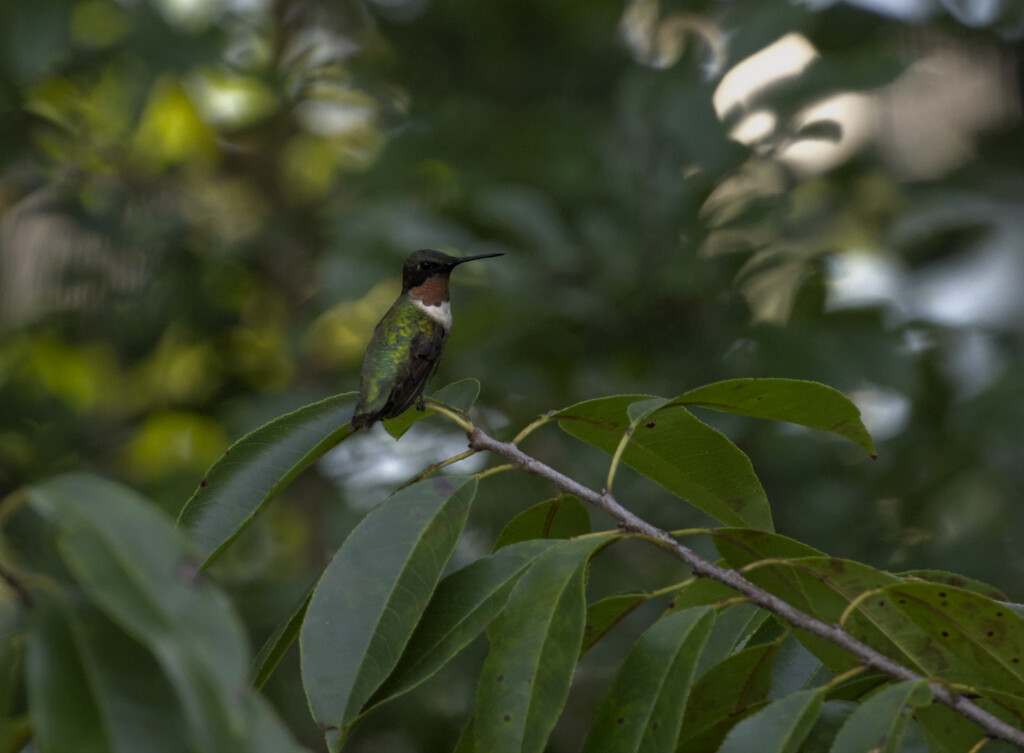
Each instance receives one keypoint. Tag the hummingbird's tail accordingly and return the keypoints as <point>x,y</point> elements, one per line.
<point>365,420</point>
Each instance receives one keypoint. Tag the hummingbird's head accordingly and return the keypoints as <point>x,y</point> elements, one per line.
<point>424,265</point>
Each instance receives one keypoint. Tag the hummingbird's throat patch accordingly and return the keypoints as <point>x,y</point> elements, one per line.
<point>433,291</point>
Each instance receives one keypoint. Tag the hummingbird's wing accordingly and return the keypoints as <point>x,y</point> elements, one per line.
<point>426,353</point>
<point>399,360</point>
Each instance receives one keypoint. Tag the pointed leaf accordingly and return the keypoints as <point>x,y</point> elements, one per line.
<point>957,580</point>
<point>140,572</point>
<point>373,593</point>
<point>857,688</point>
<point>878,723</point>
<point>91,687</point>
<point>947,731</point>
<point>605,614</point>
<point>675,449</point>
<point>741,546</point>
<point>458,396</point>
<point>780,727</point>
<point>797,401</point>
<point>465,742</point>
<point>641,409</point>
<point>825,588</point>
<point>257,467</point>
<point>697,592</point>
<point>560,518</point>
<point>734,626</point>
<point>66,712</point>
<point>525,679</point>
<point>463,605</point>
<point>983,634</point>
<point>725,693</point>
<point>1007,706</point>
<point>795,669</point>
<point>643,710</point>
<point>277,645</point>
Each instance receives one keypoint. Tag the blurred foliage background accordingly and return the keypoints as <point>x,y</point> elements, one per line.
<point>205,206</point>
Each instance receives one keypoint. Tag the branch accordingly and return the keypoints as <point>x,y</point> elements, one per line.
<point>868,656</point>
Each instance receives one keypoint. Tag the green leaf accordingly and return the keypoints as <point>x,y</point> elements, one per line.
<point>947,731</point>
<point>66,712</point>
<point>734,626</point>
<point>795,668</point>
<point>825,587</point>
<point>140,572</point>
<point>673,448</point>
<point>277,645</point>
<point>605,614</point>
<point>643,710</point>
<point>734,687</point>
<point>736,622</point>
<point>958,581</point>
<point>983,634</point>
<point>257,467</point>
<point>459,396</point>
<point>797,401</point>
<point>465,742</point>
<point>1007,706</point>
<point>834,590</point>
<point>560,518</point>
<point>856,688</point>
<point>641,409</point>
<point>741,546</point>
<point>463,605</point>
<point>267,734</point>
<point>878,723</point>
<point>697,591</point>
<point>780,727</point>
<point>373,593</point>
<point>525,679</point>
<point>14,732</point>
<point>91,687</point>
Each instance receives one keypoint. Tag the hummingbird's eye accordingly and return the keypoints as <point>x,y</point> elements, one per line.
<point>424,266</point>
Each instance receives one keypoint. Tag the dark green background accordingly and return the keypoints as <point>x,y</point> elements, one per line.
<point>172,279</point>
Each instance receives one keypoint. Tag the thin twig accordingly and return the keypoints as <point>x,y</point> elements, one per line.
<point>868,656</point>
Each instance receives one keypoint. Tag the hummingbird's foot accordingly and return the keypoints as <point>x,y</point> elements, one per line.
<point>420,406</point>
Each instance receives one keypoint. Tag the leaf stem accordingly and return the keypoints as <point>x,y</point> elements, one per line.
<point>530,427</point>
<point>841,678</point>
<point>617,457</point>
<point>856,602</point>
<point>496,469</point>
<point>453,416</point>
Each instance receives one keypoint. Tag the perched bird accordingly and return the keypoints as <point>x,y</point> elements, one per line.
<point>407,342</point>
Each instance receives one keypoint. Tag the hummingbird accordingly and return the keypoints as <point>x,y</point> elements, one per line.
<point>406,344</point>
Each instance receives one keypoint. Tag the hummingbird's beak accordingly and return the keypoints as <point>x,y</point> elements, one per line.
<point>472,258</point>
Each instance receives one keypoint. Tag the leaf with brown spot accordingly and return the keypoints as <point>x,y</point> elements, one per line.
<point>982,633</point>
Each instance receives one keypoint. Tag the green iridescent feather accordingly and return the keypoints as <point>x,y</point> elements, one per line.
<point>402,354</point>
